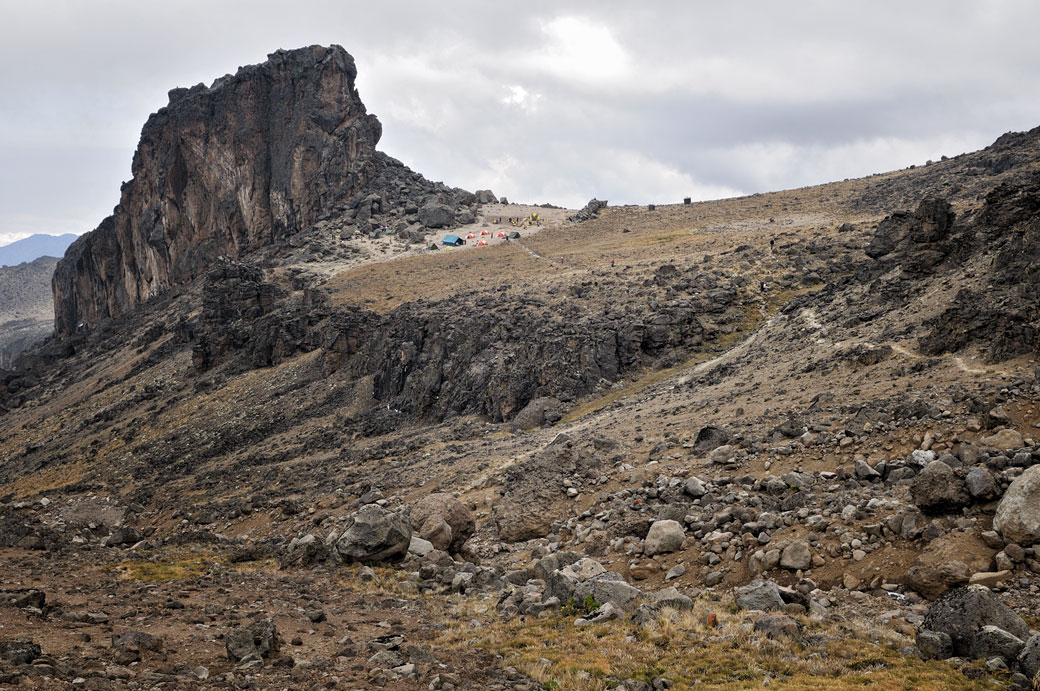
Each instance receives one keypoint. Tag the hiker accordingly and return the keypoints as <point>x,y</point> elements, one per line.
<point>612,263</point>
<point>772,244</point>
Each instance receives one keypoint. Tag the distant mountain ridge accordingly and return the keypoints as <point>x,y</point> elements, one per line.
<point>26,307</point>
<point>35,246</point>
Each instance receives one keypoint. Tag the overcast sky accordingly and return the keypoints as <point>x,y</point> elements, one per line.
<point>552,101</point>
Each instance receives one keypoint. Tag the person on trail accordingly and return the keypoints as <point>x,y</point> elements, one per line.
<point>612,263</point>
<point>772,244</point>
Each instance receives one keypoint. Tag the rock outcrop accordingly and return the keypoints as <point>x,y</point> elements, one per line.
<point>1018,514</point>
<point>374,534</point>
<point>255,157</point>
<point>443,520</point>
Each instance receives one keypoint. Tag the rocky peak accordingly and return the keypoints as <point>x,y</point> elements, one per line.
<point>221,170</point>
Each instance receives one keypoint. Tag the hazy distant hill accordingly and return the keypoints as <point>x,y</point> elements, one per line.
<point>34,247</point>
<point>26,306</point>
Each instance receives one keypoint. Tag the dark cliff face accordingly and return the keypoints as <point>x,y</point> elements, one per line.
<point>221,170</point>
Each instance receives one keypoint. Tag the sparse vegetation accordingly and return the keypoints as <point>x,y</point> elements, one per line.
<point>682,648</point>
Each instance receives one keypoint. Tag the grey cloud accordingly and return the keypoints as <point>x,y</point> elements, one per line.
<point>634,101</point>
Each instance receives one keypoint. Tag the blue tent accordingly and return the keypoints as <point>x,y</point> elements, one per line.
<point>453,240</point>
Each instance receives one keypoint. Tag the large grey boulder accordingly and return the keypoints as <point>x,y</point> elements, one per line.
<point>561,583</point>
<point>257,640</point>
<point>796,556</point>
<point>434,509</point>
<point>762,595</point>
<point>435,215</point>
<point>962,613</point>
<point>374,534</point>
<point>723,454</point>
<point>1004,440</point>
<point>550,562</point>
<point>1018,514</point>
<point>695,487</point>
<point>609,587</point>
<point>992,641</point>
<point>1029,658</point>
<point>664,537</point>
<point>981,483</point>
<point>670,597</point>
<point>934,645</point>
<point>938,489</point>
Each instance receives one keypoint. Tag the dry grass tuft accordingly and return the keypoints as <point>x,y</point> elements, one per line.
<point>681,647</point>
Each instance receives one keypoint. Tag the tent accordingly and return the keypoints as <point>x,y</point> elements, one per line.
<point>453,240</point>
<point>501,234</point>
<point>432,246</point>
<point>482,243</point>
<point>515,234</point>
<point>485,232</point>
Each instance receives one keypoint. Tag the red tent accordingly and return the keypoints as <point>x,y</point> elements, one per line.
<point>482,243</point>
<point>485,232</point>
<point>501,234</point>
<point>470,236</point>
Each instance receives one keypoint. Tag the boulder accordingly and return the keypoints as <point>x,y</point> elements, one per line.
<point>990,579</point>
<point>670,598</point>
<point>961,614</point>
<point>864,471</point>
<point>127,535</point>
<point>796,556</point>
<point>695,487</point>
<point>609,587</point>
<point>435,215</point>
<point>550,562</point>
<point>981,484</point>
<point>1018,514</point>
<point>254,641</point>
<point>664,537</point>
<point>1029,657</point>
<point>778,626</point>
<point>537,412</point>
<point>19,652</point>
<point>561,583</point>
<point>992,641</point>
<point>938,489</point>
<point>448,509</point>
<point>374,534</point>
<point>932,580</point>
<point>1004,440</point>
<point>934,645</point>
<point>136,640</point>
<point>761,595</point>
<point>437,531</point>
<point>710,438</point>
<point>420,547</point>
<point>723,454</point>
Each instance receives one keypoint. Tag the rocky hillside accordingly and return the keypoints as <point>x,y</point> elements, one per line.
<point>26,310</point>
<point>794,432</point>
